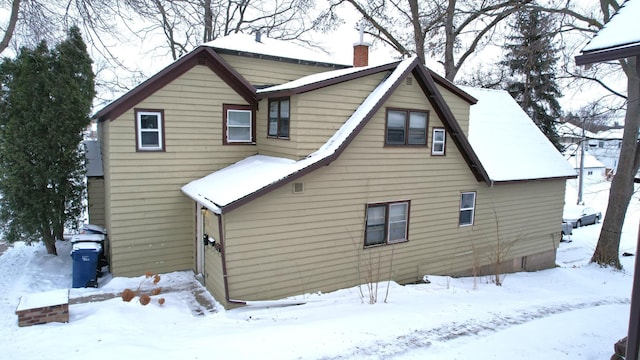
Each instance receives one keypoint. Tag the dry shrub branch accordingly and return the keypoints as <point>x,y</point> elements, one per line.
<point>144,297</point>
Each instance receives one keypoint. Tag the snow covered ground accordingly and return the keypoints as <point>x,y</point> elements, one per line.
<point>575,311</point>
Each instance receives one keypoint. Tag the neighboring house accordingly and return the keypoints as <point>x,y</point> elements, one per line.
<point>571,134</point>
<point>604,145</point>
<point>606,148</point>
<point>594,170</point>
<point>273,174</point>
<point>95,182</point>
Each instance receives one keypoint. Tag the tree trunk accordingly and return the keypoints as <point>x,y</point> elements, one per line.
<point>450,41</point>
<point>50,244</point>
<point>606,253</point>
<point>417,30</point>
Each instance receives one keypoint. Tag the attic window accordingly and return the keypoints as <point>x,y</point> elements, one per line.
<point>238,124</point>
<point>149,130</point>
<point>406,127</point>
<point>438,141</point>
<point>298,188</point>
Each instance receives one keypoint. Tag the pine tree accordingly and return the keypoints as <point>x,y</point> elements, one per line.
<point>531,59</point>
<point>45,103</point>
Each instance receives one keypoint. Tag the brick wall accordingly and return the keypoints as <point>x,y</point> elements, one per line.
<point>43,315</point>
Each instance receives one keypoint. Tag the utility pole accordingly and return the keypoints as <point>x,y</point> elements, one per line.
<point>580,178</point>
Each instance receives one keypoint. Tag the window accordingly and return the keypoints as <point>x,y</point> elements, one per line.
<point>406,127</point>
<point>279,118</point>
<point>438,138</point>
<point>239,124</point>
<point>467,208</point>
<point>149,130</point>
<point>601,144</point>
<point>387,223</point>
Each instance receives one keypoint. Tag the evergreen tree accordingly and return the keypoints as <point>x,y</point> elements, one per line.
<point>45,103</point>
<point>531,59</point>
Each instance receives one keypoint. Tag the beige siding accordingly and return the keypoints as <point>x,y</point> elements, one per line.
<point>284,243</point>
<point>152,223</point>
<point>459,107</point>
<point>315,117</point>
<point>260,72</point>
<point>95,199</point>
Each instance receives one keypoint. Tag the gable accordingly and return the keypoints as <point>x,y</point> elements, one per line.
<point>200,56</point>
<point>213,190</point>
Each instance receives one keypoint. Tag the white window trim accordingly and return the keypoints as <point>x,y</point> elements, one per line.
<point>434,142</point>
<point>472,209</point>
<point>140,130</point>
<point>250,139</point>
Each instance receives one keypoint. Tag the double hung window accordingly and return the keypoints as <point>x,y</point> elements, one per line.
<point>437,141</point>
<point>278,126</point>
<point>405,127</point>
<point>149,130</point>
<point>387,223</point>
<point>239,124</point>
<point>467,208</point>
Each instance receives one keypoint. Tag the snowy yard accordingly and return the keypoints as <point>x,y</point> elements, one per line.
<point>575,311</point>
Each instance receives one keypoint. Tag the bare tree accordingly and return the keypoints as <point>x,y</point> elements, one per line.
<point>449,30</point>
<point>587,23</point>
<point>187,23</point>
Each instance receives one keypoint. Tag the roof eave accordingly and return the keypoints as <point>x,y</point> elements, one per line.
<point>203,55</point>
<point>328,82</point>
<point>566,177</point>
<point>453,128</point>
<point>609,54</point>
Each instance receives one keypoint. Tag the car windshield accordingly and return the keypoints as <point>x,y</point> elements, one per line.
<point>572,212</point>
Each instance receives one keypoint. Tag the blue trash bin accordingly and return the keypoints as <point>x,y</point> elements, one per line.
<point>85,264</point>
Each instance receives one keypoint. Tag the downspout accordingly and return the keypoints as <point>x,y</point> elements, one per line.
<point>224,264</point>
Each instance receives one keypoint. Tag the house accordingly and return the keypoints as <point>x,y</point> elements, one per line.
<point>95,182</point>
<point>273,175</point>
<point>593,169</point>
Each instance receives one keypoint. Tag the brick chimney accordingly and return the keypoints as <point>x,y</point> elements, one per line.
<point>361,51</point>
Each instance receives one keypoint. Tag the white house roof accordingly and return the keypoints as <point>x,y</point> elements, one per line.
<point>590,162</point>
<point>271,47</point>
<point>508,143</point>
<point>569,130</point>
<point>623,29</point>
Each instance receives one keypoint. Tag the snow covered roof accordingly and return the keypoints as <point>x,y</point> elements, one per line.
<point>272,48</point>
<point>508,143</point>
<point>590,162</point>
<point>326,77</point>
<point>569,130</point>
<point>619,38</point>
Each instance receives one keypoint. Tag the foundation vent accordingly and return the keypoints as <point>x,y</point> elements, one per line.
<point>298,188</point>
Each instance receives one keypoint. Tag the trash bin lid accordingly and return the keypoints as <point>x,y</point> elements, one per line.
<point>86,246</point>
<point>92,229</point>
<point>87,238</point>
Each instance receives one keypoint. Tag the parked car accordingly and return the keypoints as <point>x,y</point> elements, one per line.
<point>580,215</point>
